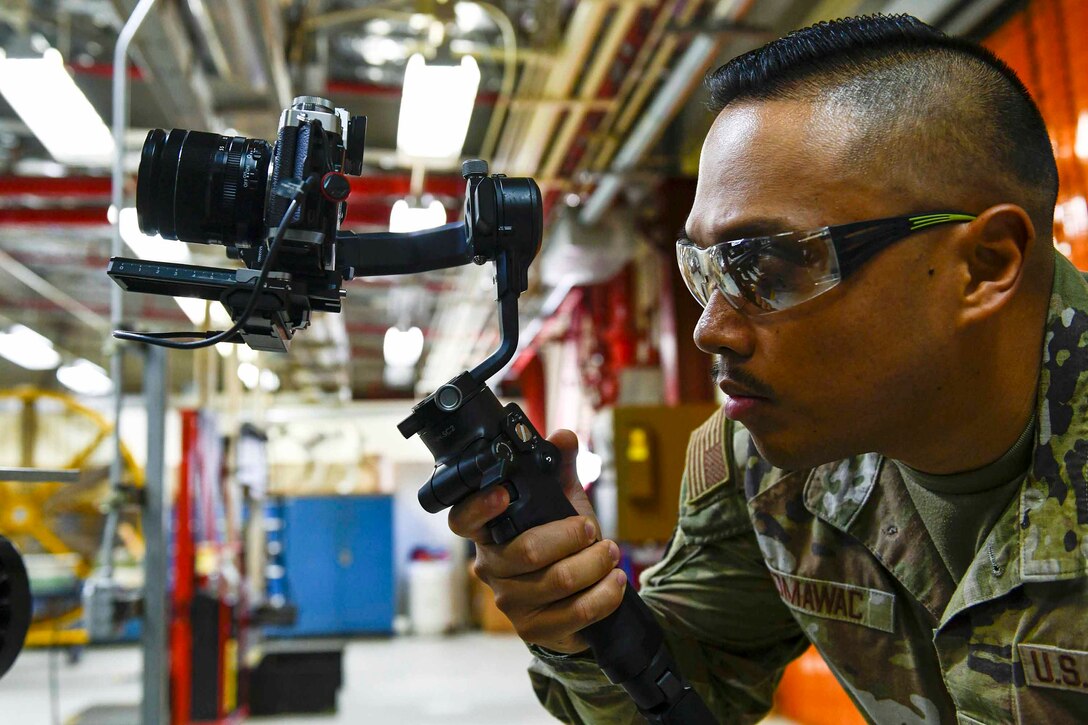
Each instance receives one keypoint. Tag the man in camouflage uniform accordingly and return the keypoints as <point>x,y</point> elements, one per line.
<point>908,488</point>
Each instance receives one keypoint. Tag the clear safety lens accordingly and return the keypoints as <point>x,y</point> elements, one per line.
<point>762,274</point>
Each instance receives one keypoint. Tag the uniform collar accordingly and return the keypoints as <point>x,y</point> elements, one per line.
<point>1053,516</point>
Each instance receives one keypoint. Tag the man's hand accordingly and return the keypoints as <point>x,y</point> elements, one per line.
<point>554,579</point>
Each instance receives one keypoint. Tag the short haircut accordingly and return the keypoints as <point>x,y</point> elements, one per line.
<point>907,85</point>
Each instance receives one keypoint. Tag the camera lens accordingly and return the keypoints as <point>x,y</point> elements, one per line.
<point>202,187</point>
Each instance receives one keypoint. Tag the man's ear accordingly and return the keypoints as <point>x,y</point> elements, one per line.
<point>994,251</point>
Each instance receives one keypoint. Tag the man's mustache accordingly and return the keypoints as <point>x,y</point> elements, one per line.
<point>721,370</point>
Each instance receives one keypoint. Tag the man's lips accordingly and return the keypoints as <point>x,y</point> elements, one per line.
<point>741,401</point>
<point>735,390</point>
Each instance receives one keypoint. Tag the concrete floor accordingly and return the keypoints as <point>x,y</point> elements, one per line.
<point>469,679</point>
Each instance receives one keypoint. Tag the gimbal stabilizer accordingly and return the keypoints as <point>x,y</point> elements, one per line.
<point>476,442</point>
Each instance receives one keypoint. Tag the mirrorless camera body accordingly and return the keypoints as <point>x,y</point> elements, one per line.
<point>206,188</point>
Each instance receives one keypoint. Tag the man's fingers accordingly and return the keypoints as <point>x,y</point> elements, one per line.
<point>467,519</point>
<point>562,579</point>
<point>537,548</point>
<point>567,443</point>
<point>560,621</point>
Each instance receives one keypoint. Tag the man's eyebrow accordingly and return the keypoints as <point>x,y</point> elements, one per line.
<point>743,229</point>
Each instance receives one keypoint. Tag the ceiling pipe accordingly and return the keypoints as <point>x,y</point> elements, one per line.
<point>607,49</point>
<point>582,32</point>
<point>693,64</point>
<point>175,79</point>
<point>637,83</point>
<point>54,294</point>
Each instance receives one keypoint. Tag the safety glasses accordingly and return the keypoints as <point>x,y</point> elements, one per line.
<point>760,275</point>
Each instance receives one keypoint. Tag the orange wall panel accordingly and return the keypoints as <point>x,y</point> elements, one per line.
<point>1043,44</point>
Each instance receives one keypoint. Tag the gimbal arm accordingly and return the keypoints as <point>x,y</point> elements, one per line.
<point>381,253</point>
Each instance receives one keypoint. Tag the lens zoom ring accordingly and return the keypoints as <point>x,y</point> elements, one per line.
<point>232,177</point>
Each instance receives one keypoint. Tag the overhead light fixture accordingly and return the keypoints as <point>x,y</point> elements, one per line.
<point>398,376</point>
<point>405,218</point>
<point>194,307</point>
<point>26,348</point>
<point>53,107</point>
<point>85,378</point>
<point>146,246</point>
<point>402,348</point>
<point>249,374</point>
<point>436,107</point>
<point>470,16</point>
<point>379,50</point>
<point>268,381</point>
<point>379,27</point>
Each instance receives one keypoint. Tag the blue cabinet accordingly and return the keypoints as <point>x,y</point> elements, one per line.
<point>337,556</point>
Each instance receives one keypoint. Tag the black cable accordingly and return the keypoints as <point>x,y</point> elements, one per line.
<point>162,339</point>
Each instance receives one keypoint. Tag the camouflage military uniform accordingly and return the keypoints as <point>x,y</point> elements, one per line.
<point>764,561</point>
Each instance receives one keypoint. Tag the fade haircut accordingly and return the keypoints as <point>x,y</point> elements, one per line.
<point>942,110</point>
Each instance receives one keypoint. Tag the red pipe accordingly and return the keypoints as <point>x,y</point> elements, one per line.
<point>181,628</point>
<point>85,216</point>
<point>55,186</point>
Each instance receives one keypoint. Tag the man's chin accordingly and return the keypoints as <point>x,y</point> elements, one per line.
<point>790,455</point>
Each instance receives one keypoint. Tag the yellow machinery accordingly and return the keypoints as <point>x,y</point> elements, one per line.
<point>58,526</point>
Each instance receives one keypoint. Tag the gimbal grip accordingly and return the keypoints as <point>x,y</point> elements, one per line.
<point>628,644</point>
<point>479,444</point>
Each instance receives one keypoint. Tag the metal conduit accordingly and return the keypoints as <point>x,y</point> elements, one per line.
<point>689,70</point>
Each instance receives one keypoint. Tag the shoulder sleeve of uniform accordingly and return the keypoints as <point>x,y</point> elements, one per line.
<point>712,503</point>
<point>706,467</point>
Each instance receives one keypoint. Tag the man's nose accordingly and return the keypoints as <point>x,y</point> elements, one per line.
<point>724,329</point>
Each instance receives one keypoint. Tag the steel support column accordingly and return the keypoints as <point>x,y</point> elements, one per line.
<point>156,525</point>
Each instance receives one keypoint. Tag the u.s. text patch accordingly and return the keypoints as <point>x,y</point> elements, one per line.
<point>1061,669</point>
<point>871,608</point>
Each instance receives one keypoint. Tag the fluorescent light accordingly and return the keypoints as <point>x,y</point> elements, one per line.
<point>146,246</point>
<point>470,16</point>
<point>249,374</point>
<point>402,348</point>
<point>436,107</point>
<point>28,349</point>
<point>398,376</point>
<point>268,381</point>
<point>193,307</point>
<point>379,50</point>
<point>379,27</point>
<point>85,378</point>
<point>404,218</point>
<point>51,105</point>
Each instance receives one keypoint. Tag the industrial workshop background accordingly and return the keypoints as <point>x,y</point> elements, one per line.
<point>229,534</point>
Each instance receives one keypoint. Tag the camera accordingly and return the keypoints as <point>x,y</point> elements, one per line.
<point>207,188</point>
<point>253,199</point>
